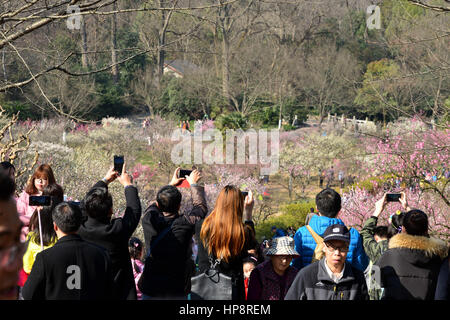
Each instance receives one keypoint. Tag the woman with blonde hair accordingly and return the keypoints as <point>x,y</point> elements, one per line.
<point>221,237</point>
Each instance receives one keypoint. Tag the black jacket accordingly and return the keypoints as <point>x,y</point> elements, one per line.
<point>55,271</point>
<point>443,282</point>
<point>113,235</point>
<point>313,283</point>
<point>168,270</point>
<point>410,267</point>
<point>232,269</point>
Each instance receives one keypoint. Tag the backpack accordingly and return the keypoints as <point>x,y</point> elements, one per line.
<point>318,251</point>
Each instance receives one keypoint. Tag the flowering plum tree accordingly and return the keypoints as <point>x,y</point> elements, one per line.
<point>415,154</point>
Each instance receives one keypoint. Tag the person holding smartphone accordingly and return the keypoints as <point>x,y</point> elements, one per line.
<point>168,239</point>
<point>113,234</point>
<point>375,241</point>
<point>43,235</point>
<point>41,178</point>
<point>374,248</point>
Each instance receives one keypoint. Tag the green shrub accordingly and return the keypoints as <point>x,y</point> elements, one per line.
<point>266,117</point>
<point>233,120</point>
<point>25,110</point>
<point>293,215</point>
<point>288,127</point>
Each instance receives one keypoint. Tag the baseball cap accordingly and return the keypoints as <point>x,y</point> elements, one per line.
<point>336,232</point>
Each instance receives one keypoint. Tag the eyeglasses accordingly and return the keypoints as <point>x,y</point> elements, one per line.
<point>332,248</point>
<point>11,255</point>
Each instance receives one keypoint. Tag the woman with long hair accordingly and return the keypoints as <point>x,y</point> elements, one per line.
<point>222,236</point>
<point>45,232</point>
<point>41,178</point>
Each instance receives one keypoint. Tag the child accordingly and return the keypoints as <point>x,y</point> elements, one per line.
<point>135,247</point>
<point>248,265</point>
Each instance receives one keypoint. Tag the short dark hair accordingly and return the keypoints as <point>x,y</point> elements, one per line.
<point>250,259</point>
<point>67,217</point>
<point>169,199</point>
<point>416,223</point>
<point>98,203</point>
<point>328,202</point>
<point>396,224</point>
<point>381,231</point>
<point>7,186</point>
<point>56,192</point>
<point>135,247</point>
<point>7,165</point>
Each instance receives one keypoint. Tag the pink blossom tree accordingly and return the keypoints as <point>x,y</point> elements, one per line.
<point>414,153</point>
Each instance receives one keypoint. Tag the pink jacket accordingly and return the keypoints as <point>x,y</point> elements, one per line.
<point>137,275</point>
<point>25,212</point>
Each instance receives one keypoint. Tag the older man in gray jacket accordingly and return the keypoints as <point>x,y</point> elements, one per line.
<point>331,278</point>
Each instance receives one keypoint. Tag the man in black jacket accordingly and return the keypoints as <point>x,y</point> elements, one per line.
<point>113,234</point>
<point>168,235</point>
<point>410,267</point>
<point>72,269</point>
<point>332,277</point>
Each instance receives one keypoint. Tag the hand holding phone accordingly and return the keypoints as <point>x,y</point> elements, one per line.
<point>183,173</point>
<point>40,201</point>
<point>176,180</point>
<point>118,164</point>
<point>125,179</point>
<point>393,197</point>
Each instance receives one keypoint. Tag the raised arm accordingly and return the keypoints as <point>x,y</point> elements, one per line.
<point>371,247</point>
<point>249,203</point>
<point>133,211</point>
<point>200,208</point>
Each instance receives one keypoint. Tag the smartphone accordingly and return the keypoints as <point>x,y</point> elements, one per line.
<point>40,201</point>
<point>118,164</point>
<point>183,173</point>
<point>392,197</point>
<point>244,193</point>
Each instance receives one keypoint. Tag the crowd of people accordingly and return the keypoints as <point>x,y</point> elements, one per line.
<point>79,251</point>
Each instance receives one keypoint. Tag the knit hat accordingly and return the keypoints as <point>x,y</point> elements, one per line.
<point>282,246</point>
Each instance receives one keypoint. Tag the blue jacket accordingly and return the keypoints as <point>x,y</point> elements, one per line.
<point>305,244</point>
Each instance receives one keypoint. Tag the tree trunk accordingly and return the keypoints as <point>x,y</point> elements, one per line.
<point>225,68</point>
<point>84,47</point>
<point>115,67</point>
<point>216,62</point>
<point>224,22</point>
<point>161,55</point>
<point>3,65</point>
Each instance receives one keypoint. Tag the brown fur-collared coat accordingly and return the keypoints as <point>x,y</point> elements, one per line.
<point>410,267</point>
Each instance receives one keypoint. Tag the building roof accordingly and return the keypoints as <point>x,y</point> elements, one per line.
<point>181,66</point>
